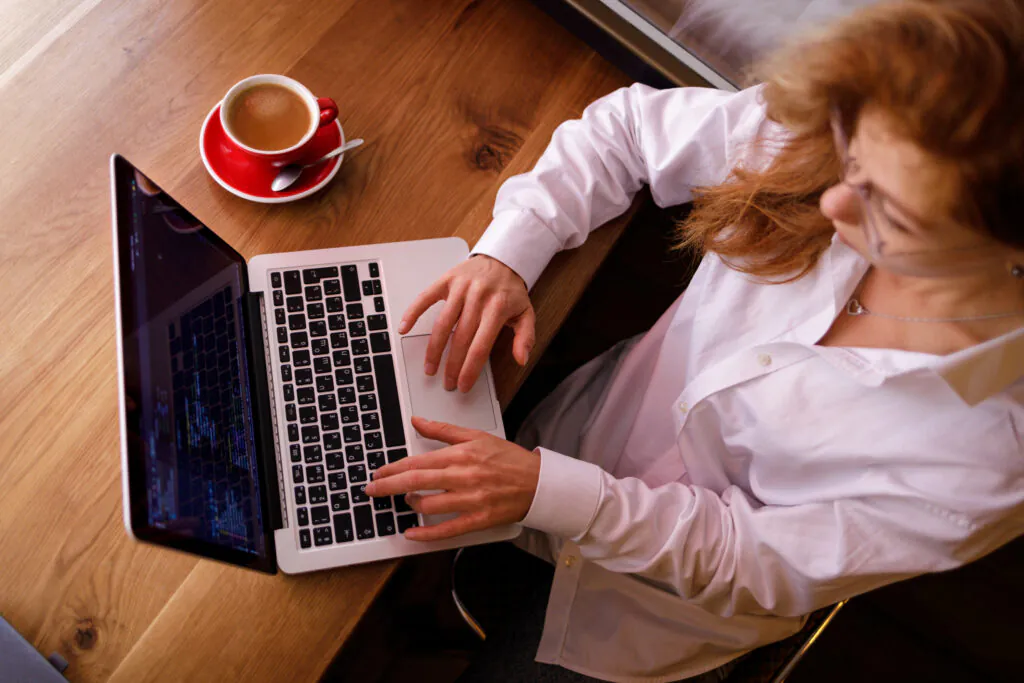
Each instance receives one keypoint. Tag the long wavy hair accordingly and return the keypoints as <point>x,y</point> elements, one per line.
<point>949,74</point>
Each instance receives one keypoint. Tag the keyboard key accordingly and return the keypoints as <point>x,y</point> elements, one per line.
<point>282,354</point>
<point>336,321</point>
<point>301,358</point>
<point>317,495</point>
<point>324,384</point>
<point>315,474</point>
<point>337,481</point>
<point>303,377</point>
<point>335,304</point>
<point>354,453</point>
<point>360,347</point>
<point>275,280</point>
<point>390,408</point>
<point>296,452</point>
<point>343,527</point>
<point>396,454</point>
<point>349,415</point>
<point>335,461</point>
<point>282,335</point>
<point>310,276</point>
<point>351,434</point>
<point>376,322</point>
<point>367,402</point>
<point>321,514</point>
<point>300,495</point>
<point>358,493</point>
<point>354,311</point>
<point>332,287</point>
<point>374,270</point>
<point>310,434</point>
<point>314,293</point>
<point>300,340</point>
<point>296,321</point>
<point>401,505</point>
<point>382,503</point>
<point>407,522</point>
<point>385,524</point>
<point>343,376</point>
<point>378,304</point>
<point>313,453</point>
<point>376,287</point>
<point>339,340</point>
<point>321,348</point>
<point>302,516</point>
<point>306,396</point>
<point>380,342</point>
<point>357,328</point>
<point>327,403</point>
<point>364,383</point>
<point>289,392</point>
<point>339,502</point>
<point>371,421</point>
<point>363,365</point>
<point>286,373</point>
<point>367,288</point>
<point>293,432</point>
<point>278,299</point>
<point>279,317</point>
<point>332,441</point>
<point>375,459</point>
<point>297,474</point>
<point>373,440</point>
<point>315,311</point>
<point>322,365</point>
<point>318,328</point>
<point>350,283</point>
<point>329,421</point>
<point>289,412</point>
<point>322,535</point>
<point>357,474</point>
<point>364,521</point>
<point>304,539</point>
<point>346,395</point>
<point>307,415</point>
<point>328,272</point>
<point>342,358</point>
<point>295,304</point>
<point>292,283</point>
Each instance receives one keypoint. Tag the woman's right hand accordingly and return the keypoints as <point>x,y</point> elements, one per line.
<point>481,296</point>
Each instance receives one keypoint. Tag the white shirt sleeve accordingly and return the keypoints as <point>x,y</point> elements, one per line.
<point>673,140</point>
<point>731,556</point>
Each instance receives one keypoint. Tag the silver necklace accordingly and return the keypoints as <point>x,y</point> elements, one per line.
<point>855,307</point>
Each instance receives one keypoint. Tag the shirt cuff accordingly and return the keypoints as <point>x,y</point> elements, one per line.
<point>568,492</point>
<point>520,241</point>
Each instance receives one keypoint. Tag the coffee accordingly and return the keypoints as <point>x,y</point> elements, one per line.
<point>268,117</point>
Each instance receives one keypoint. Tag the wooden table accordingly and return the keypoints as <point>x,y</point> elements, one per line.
<point>453,96</point>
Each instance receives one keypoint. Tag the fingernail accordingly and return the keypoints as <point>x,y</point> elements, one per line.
<point>430,368</point>
<point>403,326</point>
<point>449,385</point>
<point>369,488</point>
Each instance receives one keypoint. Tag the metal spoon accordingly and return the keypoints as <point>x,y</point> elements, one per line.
<point>290,173</point>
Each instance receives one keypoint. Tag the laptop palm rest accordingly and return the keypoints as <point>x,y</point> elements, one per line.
<point>429,398</point>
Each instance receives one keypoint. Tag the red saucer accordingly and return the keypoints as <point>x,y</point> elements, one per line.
<point>241,174</point>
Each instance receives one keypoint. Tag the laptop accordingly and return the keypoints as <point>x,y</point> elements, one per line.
<point>256,398</point>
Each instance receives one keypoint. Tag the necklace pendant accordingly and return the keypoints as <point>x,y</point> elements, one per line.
<point>853,307</point>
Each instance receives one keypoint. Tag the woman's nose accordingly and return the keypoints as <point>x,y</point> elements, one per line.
<point>841,203</point>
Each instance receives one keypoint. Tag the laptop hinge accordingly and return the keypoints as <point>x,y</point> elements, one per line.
<point>264,417</point>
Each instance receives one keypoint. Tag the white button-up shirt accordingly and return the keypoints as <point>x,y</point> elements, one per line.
<point>723,475</point>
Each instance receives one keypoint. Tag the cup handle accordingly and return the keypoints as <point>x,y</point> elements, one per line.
<point>328,110</point>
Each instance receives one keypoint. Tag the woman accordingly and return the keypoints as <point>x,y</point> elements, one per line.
<point>834,404</point>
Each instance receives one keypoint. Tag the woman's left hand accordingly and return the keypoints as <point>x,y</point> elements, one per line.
<point>486,480</point>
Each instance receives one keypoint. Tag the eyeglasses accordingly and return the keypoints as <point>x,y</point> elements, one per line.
<point>879,230</point>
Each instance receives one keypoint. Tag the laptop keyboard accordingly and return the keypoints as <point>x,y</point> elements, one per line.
<point>342,413</point>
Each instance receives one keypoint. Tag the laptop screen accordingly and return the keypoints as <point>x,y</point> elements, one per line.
<point>193,475</point>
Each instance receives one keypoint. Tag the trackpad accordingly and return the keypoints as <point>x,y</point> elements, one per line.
<point>430,400</point>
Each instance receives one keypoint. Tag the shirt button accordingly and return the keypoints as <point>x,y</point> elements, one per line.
<point>764,359</point>
<point>570,561</point>
<point>684,407</point>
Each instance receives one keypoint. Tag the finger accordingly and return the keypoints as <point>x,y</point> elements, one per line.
<point>480,349</point>
<point>415,480</point>
<point>443,503</point>
<point>463,337</point>
<point>525,330</point>
<point>430,296</point>
<point>435,460</point>
<point>442,431</point>
<point>452,527</point>
<point>443,328</point>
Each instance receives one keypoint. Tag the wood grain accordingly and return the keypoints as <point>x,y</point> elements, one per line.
<point>453,96</point>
